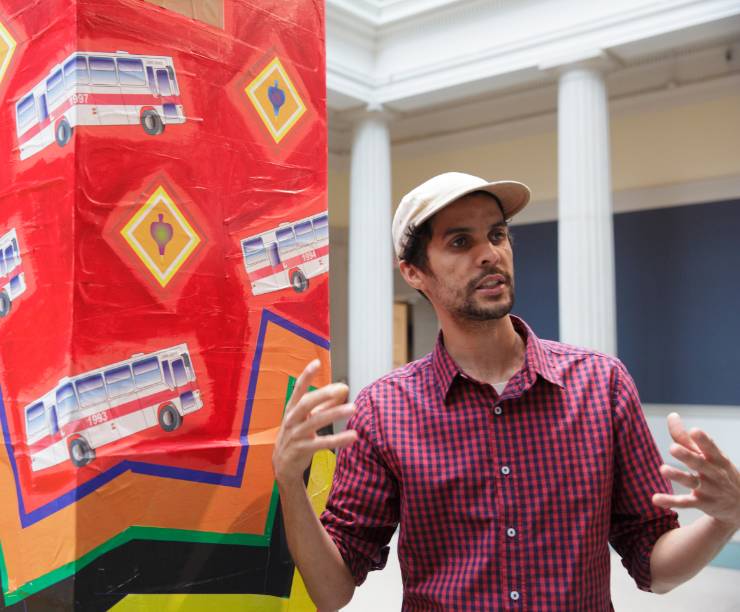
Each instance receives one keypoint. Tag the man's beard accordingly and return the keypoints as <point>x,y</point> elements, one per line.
<point>471,311</point>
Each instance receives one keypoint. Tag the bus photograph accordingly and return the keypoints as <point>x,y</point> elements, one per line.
<point>288,255</point>
<point>91,88</point>
<point>12,277</point>
<point>90,410</point>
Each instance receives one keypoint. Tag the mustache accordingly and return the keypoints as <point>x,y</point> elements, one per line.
<point>487,272</point>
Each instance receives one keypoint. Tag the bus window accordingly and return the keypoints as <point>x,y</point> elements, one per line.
<point>55,87</point>
<point>26,112</point>
<point>35,421</point>
<point>254,251</point>
<point>181,377</point>
<point>9,258</point>
<point>103,71</point>
<point>131,72</point>
<point>75,71</point>
<point>119,381</point>
<point>91,390</point>
<point>321,227</point>
<point>66,401</point>
<point>2,264</point>
<point>163,83</point>
<point>303,233</point>
<point>147,372</point>
<point>285,238</point>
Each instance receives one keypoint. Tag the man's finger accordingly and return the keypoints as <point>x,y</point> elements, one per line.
<point>332,441</point>
<point>323,418</point>
<point>301,384</point>
<point>678,433</point>
<point>708,448</point>
<point>335,393</point>
<point>697,463</point>
<point>663,500</point>
<point>690,481</point>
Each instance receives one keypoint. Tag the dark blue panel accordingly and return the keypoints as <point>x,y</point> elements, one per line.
<point>678,302</point>
<point>536,277</point>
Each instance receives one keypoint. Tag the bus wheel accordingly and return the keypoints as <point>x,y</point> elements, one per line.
<point>5,304</point>
<point>169,418</point>
<point>80,452</point>
<point>152,123</point>
<point>298,281</point>
<point>63,132</point>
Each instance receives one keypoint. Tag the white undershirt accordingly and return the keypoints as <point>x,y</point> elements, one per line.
<point>500,386</point>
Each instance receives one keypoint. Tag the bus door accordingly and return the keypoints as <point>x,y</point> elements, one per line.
<point>43,110</point>
<point>166,90</point>
<point>109,105</point>
<point>273,254</point>
<point>182,382</point>
<point>53,422</point>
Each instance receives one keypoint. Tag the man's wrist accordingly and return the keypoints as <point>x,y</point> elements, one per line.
<point>723,527</point>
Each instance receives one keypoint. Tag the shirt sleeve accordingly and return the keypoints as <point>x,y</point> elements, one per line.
<point>636,523</point>
<point>362,510</point>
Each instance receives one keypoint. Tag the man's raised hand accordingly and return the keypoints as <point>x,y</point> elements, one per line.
<point>714,480</point>
<point>306,413</point>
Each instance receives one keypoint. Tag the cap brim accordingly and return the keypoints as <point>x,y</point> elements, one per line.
<point>513,195</point>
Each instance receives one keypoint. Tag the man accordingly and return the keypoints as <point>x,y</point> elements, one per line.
<point>509,462</point>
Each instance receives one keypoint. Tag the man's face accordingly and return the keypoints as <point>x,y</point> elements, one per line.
<point>470,261</point>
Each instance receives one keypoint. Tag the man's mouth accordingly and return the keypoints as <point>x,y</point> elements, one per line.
<point>491,281</point>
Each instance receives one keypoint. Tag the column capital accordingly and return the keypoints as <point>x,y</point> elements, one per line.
<point>600,60</point>
<point>373,110</point>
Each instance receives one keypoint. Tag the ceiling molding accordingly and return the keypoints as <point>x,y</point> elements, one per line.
<point>439,56</point>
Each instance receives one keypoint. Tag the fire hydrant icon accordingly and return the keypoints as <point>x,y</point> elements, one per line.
<point>162,232</point>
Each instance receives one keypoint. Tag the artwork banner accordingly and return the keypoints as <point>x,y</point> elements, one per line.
<point>164,259</point>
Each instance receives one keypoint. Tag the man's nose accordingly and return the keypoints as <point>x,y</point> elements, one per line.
<point>488,254</point>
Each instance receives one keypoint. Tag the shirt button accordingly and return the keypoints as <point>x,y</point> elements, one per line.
<point>498,410</point>
<point>514,595</point>
<point>505,470</point>
<point>511,532</point>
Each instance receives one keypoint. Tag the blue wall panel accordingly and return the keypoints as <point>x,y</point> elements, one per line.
<point>678,298</point>
<point>536,277</point>
<point>678,302</point>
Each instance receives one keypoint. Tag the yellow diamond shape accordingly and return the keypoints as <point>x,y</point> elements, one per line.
<point>7,47</point>
<point>274,97</point>
<point>161,236</point>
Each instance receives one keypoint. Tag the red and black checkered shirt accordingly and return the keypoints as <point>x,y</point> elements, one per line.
<point>504,502</point>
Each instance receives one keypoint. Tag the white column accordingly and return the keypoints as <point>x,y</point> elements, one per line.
<point>370,253</point>
<point>585,231</point>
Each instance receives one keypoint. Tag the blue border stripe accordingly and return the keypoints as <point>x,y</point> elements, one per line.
<point>151,469</point>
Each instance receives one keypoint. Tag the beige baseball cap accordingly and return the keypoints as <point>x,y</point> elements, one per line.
<point>433,195</point>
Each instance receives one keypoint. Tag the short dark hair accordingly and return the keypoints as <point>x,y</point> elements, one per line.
<point>415,242</point>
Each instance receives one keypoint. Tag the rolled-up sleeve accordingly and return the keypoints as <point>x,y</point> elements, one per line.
<point>362,510</point>
<point>636,523</point>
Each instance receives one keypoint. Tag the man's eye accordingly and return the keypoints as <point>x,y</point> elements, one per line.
<point>499,236</point>
<point>458,242</point>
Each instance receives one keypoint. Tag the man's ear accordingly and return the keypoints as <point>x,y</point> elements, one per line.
<point>413,276</point>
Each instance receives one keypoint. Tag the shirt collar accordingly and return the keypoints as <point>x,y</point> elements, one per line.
<point>537,360</point>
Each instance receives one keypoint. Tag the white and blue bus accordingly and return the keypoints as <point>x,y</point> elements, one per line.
<point>91,88</point>
<point>88,411</point>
